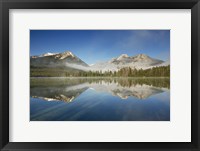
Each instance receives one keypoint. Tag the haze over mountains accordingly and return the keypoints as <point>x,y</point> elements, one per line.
<point>69,60</point>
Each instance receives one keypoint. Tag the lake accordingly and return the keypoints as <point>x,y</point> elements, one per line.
<point>99,99</point>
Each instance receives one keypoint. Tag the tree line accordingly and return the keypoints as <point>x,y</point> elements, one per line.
<point>162,71</point>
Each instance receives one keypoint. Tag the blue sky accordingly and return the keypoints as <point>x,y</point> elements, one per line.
<point>100,45</point>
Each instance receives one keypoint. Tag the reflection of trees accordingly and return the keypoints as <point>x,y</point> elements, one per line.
<point>35,82</point>
<point>156,82</point>
<point>128,82</point>
<point>125,82</point>
<point>67,89</point>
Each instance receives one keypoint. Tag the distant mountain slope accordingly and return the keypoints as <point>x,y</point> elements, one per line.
<point>166,63</point>
<point>140,61</point>
<point>66,58</point>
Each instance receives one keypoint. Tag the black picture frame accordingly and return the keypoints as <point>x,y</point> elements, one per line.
<point>5,5</point>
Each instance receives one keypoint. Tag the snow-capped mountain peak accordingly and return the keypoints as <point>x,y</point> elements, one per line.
<point>68,53</point>
<point>63,59</point>
<point>121,57</point>
<point>141,56</point>
<point>48,54</point>
<point>139,61</point>
<point>65,55</point>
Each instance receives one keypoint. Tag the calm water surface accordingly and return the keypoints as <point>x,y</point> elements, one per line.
<point>100,99</point>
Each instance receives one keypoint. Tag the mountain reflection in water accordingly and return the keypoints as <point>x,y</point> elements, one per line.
<point>82,98</point>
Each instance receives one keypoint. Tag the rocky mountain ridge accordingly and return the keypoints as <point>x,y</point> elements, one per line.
<point>68,59</point>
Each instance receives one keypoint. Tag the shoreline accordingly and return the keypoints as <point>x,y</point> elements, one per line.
<point>100,77</point>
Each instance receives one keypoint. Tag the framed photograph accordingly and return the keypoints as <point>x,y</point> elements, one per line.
<point>99,74</point>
